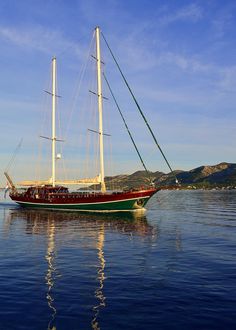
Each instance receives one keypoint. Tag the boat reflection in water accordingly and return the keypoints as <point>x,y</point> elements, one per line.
<point>62,228</point>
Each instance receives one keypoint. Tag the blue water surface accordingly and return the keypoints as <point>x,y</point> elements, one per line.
<point>173,267</point>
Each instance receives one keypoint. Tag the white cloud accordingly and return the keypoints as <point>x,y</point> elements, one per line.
<point>218,78</point>
<point>184,63</point>
<point>37,38</point>
<point>227,83</point>
<point>223,20</point>
<point>192,13</point>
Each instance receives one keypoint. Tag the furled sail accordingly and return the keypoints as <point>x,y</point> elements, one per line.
<point>95,180</point>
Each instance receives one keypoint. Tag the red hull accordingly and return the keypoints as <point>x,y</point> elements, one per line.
<point>59,197</point>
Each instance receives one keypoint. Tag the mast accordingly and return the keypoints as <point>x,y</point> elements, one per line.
<point>99,92</point>
<point>53,120</point>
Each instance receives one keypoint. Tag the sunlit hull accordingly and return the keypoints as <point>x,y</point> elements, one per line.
<point>119,201</point>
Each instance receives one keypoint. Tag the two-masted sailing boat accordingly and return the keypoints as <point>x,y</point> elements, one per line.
<point>52,193</point>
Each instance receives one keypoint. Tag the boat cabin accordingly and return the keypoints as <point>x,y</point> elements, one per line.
<point>44,191</point>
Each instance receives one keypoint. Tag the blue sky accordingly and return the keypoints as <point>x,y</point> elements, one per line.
<point>178,56</point>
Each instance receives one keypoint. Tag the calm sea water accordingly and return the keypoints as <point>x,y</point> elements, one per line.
<point>173,267</point>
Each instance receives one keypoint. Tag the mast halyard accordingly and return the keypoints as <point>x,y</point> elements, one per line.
<point>99,92</point>
<point>53,120</point>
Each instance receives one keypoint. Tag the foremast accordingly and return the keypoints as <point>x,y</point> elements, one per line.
<point>100,107</point>
<point>53,138</point>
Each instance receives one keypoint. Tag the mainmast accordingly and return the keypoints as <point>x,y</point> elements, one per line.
<point>53,120</point>
<point>99,93</point>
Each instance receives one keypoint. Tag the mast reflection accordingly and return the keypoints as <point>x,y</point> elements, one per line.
<point>101,278</point>
<point>50,257</point>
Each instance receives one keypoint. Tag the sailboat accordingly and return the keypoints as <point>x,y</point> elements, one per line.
<point>54,194</point>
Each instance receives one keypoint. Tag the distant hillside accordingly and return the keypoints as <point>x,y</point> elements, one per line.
<point>220,174</point>
<point>223,174</point>
<point>135,180</point>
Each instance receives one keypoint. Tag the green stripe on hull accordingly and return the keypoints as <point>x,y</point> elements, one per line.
<point>123,205</point>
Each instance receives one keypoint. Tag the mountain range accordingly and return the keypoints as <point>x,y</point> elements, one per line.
<point>222,175</point>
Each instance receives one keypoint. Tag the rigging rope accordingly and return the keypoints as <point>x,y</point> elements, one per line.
<point>136,102</point>
<point>124,121</point>
<point>78,90</point>
<point>14,155</point>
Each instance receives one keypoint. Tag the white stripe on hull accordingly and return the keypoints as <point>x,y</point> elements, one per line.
<point>79,204</point>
